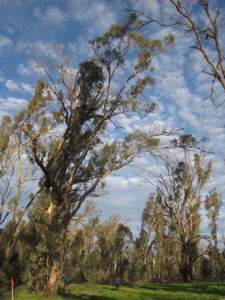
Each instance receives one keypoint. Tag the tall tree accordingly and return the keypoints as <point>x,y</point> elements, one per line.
<point>213,204</point>
<point>15,172</point>
<point>179,194</point>
<point>161,241</point>
<point>151,216</point>
<point>75,160</point>
<point>108,241</point>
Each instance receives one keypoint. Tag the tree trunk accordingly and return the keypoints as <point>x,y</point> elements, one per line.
<point>8,255</point>
<point>9,252</point>
<point>52,285</point>
<point>187,270</point>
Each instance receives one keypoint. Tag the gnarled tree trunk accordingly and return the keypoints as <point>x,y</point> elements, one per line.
<point>52,285</point>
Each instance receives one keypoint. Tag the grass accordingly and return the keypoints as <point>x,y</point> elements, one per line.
<point>151,291</point>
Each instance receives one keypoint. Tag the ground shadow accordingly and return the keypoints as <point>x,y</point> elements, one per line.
<point>109,288</point>
<point>197,288</point>
<point>84,296</point>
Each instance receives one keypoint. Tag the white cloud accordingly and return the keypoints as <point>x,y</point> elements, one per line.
<point>21,46</point>
<point>72,47</point>
<point>98,14</point>
<point>27,87</point>
<point>170,82</point>
<point>9,29</point>
<point>128,123</point>
<point>2,79</point>
<point>149,7</point>
<point>171,109</point>
<point>5,44</point>
<point>15,86</point>
<point>52,15</point>
<point>12,85</point>
<point>23,70</point>
<point>38,47</point>
<point>81,46</point>
<point>182,96</point>
<point>11,103</point>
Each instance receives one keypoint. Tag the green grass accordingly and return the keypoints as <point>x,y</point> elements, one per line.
<point>151,291</point>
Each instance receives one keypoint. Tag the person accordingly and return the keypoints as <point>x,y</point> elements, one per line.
<point>66,284</point>
<point>117,282</point>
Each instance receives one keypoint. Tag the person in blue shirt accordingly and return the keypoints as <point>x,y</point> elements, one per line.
<point>66,284</point>
<point>117,282</point>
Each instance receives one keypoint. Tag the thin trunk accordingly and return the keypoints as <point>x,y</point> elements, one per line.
<point>74,274</point>
<point>161,263</point>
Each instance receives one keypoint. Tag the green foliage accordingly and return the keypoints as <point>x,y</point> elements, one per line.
<point>179,196</point>
<point>206,268</point>
<point>5,132</point>
<point>139,272</point>
<point>141,137</point>
<point>92,268</point>
<point>138,89</point>
<point>90,82</point>
<point>12,203</point>
<point>5,152</point>
<point>185,141</point>
<point>213,204</point>
<point>39,240</point>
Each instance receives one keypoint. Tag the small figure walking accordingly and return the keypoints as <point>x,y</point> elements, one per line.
<point>117,282</point>
<point>66,284</point>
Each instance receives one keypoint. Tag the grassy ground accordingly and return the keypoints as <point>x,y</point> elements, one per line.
<point>151,291</point>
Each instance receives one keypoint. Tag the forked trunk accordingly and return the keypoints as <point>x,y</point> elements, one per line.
<point>8,255</point>
<point>9,252</point>
<point>187,270</point>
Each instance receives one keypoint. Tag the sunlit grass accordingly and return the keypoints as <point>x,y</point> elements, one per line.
<point>151,291</point>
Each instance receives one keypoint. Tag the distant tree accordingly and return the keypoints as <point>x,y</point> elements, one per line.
<point>87,220</point>
<point>111,243</point>
<point>162,241</point>
<point>179,189</point>
<point>150,218</point>
<point>213,204</point>
<point>79,240</point>
<point>122,240</point>
<point>93,272</point>
<point>206,268</point>
<point>139,272</point>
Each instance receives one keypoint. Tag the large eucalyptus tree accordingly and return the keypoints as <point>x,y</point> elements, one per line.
<point>66,121</point>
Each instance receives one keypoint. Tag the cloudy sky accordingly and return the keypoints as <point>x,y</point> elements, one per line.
<point>181,91</point>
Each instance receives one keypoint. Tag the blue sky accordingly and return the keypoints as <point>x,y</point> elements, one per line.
<point>28,26</point>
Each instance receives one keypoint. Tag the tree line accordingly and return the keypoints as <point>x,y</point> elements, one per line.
<point>62,134</point>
